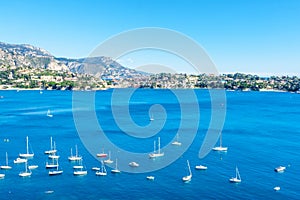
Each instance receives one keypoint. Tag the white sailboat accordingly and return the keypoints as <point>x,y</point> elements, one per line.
<point>158,153</point>
<point>33,166</point>
<point>220,148</point>
<point>27,171</point>
<point>115,170</point>
<point>52,164</point>
<point>277,188</point>
<point>237,178</point>
<point>188,177</point>
<point>134,164</point>
<point>79,165</point>
<point>201,167</point>
<point>109,161</point>
<point>2,175</point>
<point>52,149</point>
<point>75,157</point>
<point>176,142</point>
<point>151,178</point>
<point>280,169</point>
<point>53,154</point>
<point>103,171</point>
<point>80,172</point>
<point>6,166</point>
<point>95,168</point>
<point>151,118</point>
<point>27,154</point>
<point>56,171</point>
<point>49,114</point>
<point>20,160</point>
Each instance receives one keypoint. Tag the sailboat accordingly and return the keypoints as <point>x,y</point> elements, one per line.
<point>49,114</point>
<point>20,160</point>
<point>151,118</point>
<point>79,166</point>
<point>53,154</point>
<point>56,171</point>
<point>103,170</point>
<point>52,150</point>
<point>201,167</point>
<point>188,177</point>
<point>52,164</point>
<point>33,166</point>
<point>2,175</point>
<point>6,166</point>
<point>74,157</point>
<point>176,142</point>
<point>26,172</point>
<point>102,155</point>
<point>220,148</point>
<point>158,153</point>
<point>108,161</point>
<point>134,164</point>
<point>115,170</point>
<point>237,178</point>
<point>151,178</point>
<point>80,172</point>
<point>27,154</point>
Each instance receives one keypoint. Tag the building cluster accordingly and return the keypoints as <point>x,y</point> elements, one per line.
<point>31,78</point>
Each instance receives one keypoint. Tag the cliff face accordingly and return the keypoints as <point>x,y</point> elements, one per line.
<point>26,55</point>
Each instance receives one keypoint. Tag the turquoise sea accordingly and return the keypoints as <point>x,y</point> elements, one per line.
<point>261,131</point>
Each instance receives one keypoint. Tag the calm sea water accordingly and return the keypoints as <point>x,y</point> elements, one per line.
<point>262,131</point>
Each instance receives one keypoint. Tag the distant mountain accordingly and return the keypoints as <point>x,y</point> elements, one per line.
<point>17,55</point>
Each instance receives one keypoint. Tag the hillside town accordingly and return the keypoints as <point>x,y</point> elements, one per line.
<point>38,78</point>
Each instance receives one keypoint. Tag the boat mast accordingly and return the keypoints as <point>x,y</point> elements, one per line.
<point>238,174</point>
<point>116,163</point>
<point>6,159</point>
<point>51,147</point>
<point>154,146</point>
<point>54,146</point>
<point>26,167</point>
<point>27,149</point>
<point>158,145</point>
<point>221,139</point>
<point>189,167</point>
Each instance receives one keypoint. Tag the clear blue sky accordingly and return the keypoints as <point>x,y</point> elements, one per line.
<point>259,36</point>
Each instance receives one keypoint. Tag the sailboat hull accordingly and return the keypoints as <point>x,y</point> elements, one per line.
<point>101,173</point>
<point>51,151</point>
<point>80,173</point>
<point>53,173</point>
<point>187,178</point>
<point>155,155</point>
<point>26,155</point>
<point>235,180</point>
<point>220,148</point>
<point>115,171</point>
<point>25,174</point>
<point>5,167</point>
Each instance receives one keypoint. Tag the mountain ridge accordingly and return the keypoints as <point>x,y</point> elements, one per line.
<point>18,55</point>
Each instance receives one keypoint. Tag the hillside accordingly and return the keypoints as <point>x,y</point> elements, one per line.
<point>24,55</point>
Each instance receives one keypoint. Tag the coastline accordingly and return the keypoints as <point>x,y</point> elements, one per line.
<point>103,89</point>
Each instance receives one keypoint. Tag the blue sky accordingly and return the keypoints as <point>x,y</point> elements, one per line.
<point>257,36</point>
